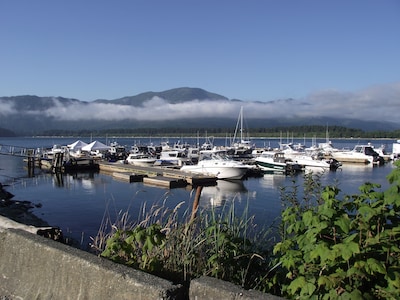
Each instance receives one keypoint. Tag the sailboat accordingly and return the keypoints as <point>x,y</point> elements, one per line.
<point>242,146</point>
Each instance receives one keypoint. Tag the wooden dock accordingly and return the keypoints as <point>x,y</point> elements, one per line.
<point>157,176</point>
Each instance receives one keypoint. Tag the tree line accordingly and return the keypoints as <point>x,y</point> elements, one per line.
<point>280,131</point>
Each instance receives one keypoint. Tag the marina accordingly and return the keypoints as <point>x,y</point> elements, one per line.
<point>79,202</point>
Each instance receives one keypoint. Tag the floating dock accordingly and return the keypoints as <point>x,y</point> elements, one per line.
<point>128,177</point>
<point>166,182</point>
<point>157,176</point>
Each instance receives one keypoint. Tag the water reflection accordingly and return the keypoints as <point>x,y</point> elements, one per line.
<point>273,180</point>
<point>357,168</point>
<point>84,180</point>
<point>225,190</point>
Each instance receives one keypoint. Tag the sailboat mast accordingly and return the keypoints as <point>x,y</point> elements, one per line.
<point>327,134</point>
<point>241,123</point>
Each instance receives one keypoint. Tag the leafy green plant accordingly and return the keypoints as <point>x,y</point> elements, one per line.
<point>137,247</point>
<point>341,248</point>
<point>218,244</point>
<point>229,249</point>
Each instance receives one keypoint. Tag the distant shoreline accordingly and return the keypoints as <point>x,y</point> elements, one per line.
<point>190,136</point>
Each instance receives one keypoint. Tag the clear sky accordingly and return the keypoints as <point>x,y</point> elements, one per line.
<point>259,50</point>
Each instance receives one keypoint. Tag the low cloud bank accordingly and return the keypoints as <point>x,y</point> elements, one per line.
<point>379,103</point>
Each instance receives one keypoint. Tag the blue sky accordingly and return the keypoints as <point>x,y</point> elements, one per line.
<point>248,50</point>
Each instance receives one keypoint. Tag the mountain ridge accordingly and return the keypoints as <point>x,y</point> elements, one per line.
<point>30,114</point>
<point>174,96</point>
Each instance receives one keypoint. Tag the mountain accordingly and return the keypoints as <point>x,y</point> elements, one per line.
<point>181,108</point>
<point>174,96</point>
<point>6,133</point>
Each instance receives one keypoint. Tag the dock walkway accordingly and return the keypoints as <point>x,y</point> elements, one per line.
<point>160,176</point>
<point>17,151</point>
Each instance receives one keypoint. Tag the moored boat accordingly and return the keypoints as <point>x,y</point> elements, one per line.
<point>218,165</point>
<point>381,150</point>
<point>311,159</point>
<point>240,147</point>
<point>364,154</point>
<point>171,158</point>
<point>271,161</point>
<point>140,159</point>
<point>396,150</point>
<point>309,162</point>
<point>64,163</point>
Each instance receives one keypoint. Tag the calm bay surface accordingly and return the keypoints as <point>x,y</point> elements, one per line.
<point>78,203</point>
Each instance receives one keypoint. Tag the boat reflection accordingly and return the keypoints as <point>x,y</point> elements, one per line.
<point>357,168</point>
<point>84,179</point>
<point>273,180</point>
<point>218,195</point>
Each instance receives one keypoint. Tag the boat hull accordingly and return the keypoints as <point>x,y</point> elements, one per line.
<point>268,166</point>
<point>352,158</point>
<point>141,162</point>
<point>317,164</point>
<point>364,154</point>
<point>220,172</point>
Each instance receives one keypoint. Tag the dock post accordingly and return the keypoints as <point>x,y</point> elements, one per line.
<point>31,163</point>
<point>196,202</point>
<point>58,162</point>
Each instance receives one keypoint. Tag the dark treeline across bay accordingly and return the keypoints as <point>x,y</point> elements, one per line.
<point>294,131</point>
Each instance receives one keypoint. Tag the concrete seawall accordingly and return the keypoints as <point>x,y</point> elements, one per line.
<point>33,267</point>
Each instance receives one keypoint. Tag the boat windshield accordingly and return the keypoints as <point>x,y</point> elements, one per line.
<point>219,156</point>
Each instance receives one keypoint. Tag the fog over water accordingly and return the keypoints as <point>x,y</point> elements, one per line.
<point>378,103</point>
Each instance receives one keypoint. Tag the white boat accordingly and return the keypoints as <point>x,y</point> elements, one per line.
<point>276,162</point>
<point>193,154</point>
<point>171,158</point>
<point>140,159</point>
<point>306,160</point>
<point>63,162</point>
<point>396,150</point>
<point>50,153</point>
<point>381,150</point>
<point>364,154</point>
<point>116,152</point>
<point>218,165</point>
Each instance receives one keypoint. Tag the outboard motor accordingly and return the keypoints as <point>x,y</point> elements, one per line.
<point>334,164</point>
<point>377,159</point>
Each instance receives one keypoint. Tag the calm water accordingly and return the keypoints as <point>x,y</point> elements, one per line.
<point>78,203</point>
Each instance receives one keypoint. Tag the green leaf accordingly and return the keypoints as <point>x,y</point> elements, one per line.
<point>308,218</point>
<point>296,284</point>
<point>375,266</point>
<point>343,223</point>
<point>326,282</point>
<point>347,250</point>
<point>356,295</point>
<point>320,251</point>
<point>327,211</point>
<point>366,211</point>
